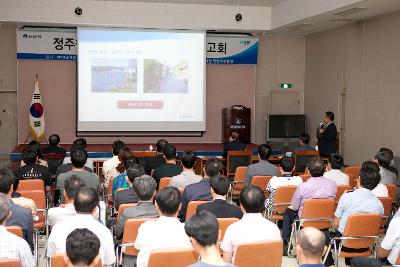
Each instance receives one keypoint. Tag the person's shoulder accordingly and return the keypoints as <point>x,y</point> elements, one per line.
<point>19,211</point>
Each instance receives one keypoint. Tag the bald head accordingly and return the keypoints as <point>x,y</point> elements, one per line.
<point>311,242</point>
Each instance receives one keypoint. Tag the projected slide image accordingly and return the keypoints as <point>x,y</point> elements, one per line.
<point>114,75</point>
<point>161,77</point>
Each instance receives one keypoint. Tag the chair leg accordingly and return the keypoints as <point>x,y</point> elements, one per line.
<point>292,241</point>
<point>36,244</point>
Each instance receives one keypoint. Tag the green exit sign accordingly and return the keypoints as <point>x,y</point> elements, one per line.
<point>286,85</point>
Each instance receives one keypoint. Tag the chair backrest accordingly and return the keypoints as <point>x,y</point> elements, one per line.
<point>164,182</point>
<point>236,159</point>
<point>172,257</point>
<point>30,184</point>
<point>122,207</point>
<point>398,260</point>
<point>318,209</point>
<point>10,263</point>
<point>266,253</point>
<point>54,160</point>
<point>223,225</point>
<point>261,181</point>
<point>392,190</point>
<point>354,170</point>
<point>130,233</point>
<point>16,230</point>
<point>144,154</point>
<point>239,176</point>
<point>192,207</point>
<point>301,158</point>
<point>283,194</point>
<point>109,189</point>
<point>340,190</point>
<point>359,225</point>
<point>352,180</point>
<point>58,260</point>
<point>39,197</point>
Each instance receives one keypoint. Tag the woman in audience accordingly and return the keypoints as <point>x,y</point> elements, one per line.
<point>203,230</point>
<point>110,166</point>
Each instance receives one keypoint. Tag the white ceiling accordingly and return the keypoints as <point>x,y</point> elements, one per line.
<point>214,2</point>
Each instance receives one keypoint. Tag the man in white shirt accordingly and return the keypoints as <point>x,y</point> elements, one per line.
<point>86,201</point>
<point>252,227</point>
<point>12,246</point>
<point>113,162</point>
<point>334,170</point>
<point>167,232</point>
<point>79,143</point>
<point>187,176</point>
<point>390,246</point>
<point>58,214</point>
<point>287,178</point>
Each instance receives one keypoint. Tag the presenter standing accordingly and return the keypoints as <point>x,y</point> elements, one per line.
<point>327,135</point>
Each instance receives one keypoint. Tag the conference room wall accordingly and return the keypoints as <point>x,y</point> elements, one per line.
<point>364,58</point>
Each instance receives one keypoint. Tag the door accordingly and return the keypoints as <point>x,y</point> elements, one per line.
<point>8,122</point>
<point>285,102</point>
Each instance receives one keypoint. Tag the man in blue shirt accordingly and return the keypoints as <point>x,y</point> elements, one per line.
<point>310,247</point>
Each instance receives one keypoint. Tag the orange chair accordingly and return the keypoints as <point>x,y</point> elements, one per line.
<point>268,253</point>
<point>16,230</point>
<point>392,190</point>
<point>144,154</point>
<point>237,159</point>
<point>122,207</point>
<point>387,207</point>
<point>223,225</point>
<point>283,197</point>
<point>317,213</point>
<point>172,257</point>
<point>361,231</point>
<point>10,263</point>
<point>30,184</point>
<point>301,158</point>
<point>58,260</point>
<point>110,200</point>
<point>352,180</point>
<point>340,191</point>
<point>261,181</point>
<point>353,170</point>
<point>238,181</point>
<point>164,182</point>
<point>192,207</point>
<point>129,237</point>
<point>398,260</point>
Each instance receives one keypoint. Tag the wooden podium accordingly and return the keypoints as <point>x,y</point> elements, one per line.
<point>236,119</point>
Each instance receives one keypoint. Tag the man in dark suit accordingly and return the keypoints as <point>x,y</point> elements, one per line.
<point>20,216</point>
<point>219,207</point>
<point>202,189</point>
<point>327,140</point>
<point>233,145</point>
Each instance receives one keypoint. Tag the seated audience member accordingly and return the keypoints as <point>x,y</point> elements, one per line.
<point>53,147</point>
<point>121,181</point>
<point>252,227</point>
<point>12,246</point>
<point>110,166</point>
<point>335,170</point>
<point>19,216</point>
<point>80,143</point>
<point>380,190</point>
<point>167,232</point>
<point>78,159</point>
<point>31,169</point>
<point>316,187</point>
<point>391,155</point>
<point>145,189</point>
<point>169,168</point>
<point>310,247</point>
<point>287,178</point>
<point>202,189</point>
<point>233,144</point>
<point>263,167</point>
<point>187,176</point>
<point>24,202</point>
<point>360,200</point>
<point>384,159</point>
<point>304,143</point>
<point>220,185</point>
<point>35,145</point>
<point>72,184</point>
<point>86,201</point>
<point>128,195</point>
<point>82,248</point>
<point>390,246</point>
<point>153,162</point>
<point>203,230</point>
